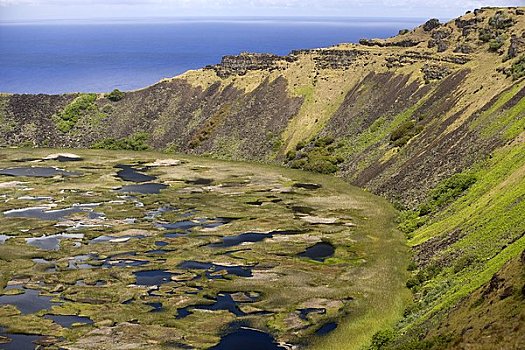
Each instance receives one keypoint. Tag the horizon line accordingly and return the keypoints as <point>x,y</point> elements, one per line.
<point>218,18</point>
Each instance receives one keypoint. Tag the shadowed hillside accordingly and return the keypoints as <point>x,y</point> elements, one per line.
<point>433,119</point>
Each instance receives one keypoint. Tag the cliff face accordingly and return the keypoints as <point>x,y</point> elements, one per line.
<point>403,117</point>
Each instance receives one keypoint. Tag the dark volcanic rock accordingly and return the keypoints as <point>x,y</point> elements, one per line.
<point>381,43</point>
<point>435,72</point>
<point>517,45</point>
<point>241,64</point>
<point>431,24</point>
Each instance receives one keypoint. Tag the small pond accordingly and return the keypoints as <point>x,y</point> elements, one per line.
<point>247,338</point>
<point>319,252</point>
<point>37,172</point>
<point>129,173</point>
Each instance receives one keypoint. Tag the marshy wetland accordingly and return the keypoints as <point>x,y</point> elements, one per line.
<point>157,251</point>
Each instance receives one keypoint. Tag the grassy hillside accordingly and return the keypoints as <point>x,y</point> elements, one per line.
<point>433,119</point>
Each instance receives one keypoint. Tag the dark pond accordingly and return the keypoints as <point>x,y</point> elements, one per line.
<point>307,186</point>
<point>36,172</point>
<point>303,313</point>
<point>231,241</point>
<point>29,302</point>
<point>157,307</point>
<point>300,209</point>
<point>326,328</point>
<point>157,252</point>
<point>161,244</point>
<point>200,181</point>
<point>223,302</point>
<point>152,277</point>
<point>63,159</point>
<point>43,213</point>
<point>67,321</point>
<point>112,239</point>
<point>19,341</point>
<point>52,242</point>
<point>246,338</point>
<point>147,188</point>
<point>319,252</point>
<point>241,271</point>
<point>129,173</point>
<point>79,262</point>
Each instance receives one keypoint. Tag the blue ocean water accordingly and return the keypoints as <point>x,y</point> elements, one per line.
<point>98,57</point>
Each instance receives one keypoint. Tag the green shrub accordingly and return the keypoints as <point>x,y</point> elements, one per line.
<point>486,35</point>
<point>464,262</point>
<point>450,189</point>
<point>501,21</point>
<point>291,155</point>
<point>496,44</point>
<point>404,132</point>
<point>321,165</point>
<point>324,141</point>
<point>445,192</point>
<point>381,339</point>
<point>135,142</point>
<point>69,116</point>
<point>115,95</point>
<point>518,68</point>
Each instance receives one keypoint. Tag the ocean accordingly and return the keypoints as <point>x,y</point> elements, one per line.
<point>100,56</point>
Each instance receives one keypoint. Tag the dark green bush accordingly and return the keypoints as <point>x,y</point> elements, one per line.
<point>381,339</point>
<point>486,35</point>
<point>404,132</point>
<point>496,44</point>
<point>115,95</point>
<point>135,142</point>
<point>450,189</point>
<point>291,155</point>
<point>324,141</point>
<point>501,21</point>
<point>518,68</point>
<point>445,192</point>
<point>82,105</point>
<point>321,165</point>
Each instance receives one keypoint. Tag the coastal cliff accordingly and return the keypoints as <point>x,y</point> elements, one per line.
<point>433,119</point>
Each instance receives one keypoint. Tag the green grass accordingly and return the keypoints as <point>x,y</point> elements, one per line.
<point>136,142</point>
<point>490,217</point>
<point>506,123</point>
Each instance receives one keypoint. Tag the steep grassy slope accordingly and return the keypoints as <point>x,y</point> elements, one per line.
<point>401,117</point>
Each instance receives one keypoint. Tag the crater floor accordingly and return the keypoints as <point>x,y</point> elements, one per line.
<point>103,249</point>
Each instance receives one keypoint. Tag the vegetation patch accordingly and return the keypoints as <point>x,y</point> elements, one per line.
<point>406,131</point>
<point>136,142</point>
<point>115,95</point>
<point>317,156</point>
<point>442,195</point>
<point>83,105</point>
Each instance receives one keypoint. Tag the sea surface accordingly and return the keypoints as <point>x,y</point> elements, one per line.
<point>59,57</point>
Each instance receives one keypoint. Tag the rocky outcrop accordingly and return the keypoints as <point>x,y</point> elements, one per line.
<point>439,39</point>
<point>383,43</point>
<point>336,59</point>
<point>431,24</point>
<point>241,64</point>
<point>434,72</point>
<point>517,46</point>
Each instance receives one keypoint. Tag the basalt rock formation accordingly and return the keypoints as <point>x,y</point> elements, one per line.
<point>433,119</point>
